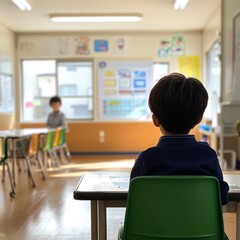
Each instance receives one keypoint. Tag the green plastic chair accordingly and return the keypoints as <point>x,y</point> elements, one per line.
<point>49,148</point>
<point>49,141</point>
<point>63,145</point>
<point>34,153</point>
<point>173,207</point>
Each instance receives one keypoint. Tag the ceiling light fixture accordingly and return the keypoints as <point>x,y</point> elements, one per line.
<point>22,4</point>
<point>180,4</point>
<point>94,18</point>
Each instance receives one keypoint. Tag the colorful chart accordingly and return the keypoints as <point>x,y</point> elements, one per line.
<point>123,90</point>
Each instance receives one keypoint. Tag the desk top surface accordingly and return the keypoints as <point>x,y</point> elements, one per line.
<point>114,186</point>
<point>22,132</point>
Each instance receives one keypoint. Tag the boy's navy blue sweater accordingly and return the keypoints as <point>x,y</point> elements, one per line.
<point>180,155</point>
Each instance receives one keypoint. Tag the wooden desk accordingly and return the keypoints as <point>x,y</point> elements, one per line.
<point>110,189</point>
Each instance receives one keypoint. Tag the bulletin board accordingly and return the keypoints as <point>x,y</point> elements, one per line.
<point>124,89</point>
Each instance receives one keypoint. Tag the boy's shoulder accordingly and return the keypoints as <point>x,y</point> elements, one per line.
<point>199,146</point>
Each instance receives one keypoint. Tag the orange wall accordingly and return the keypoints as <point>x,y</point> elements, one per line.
<point>7,121</point>
<point>119,136</point>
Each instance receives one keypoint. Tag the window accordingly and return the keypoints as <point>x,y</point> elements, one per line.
<point>213,82</point>
<point>160,70</point>
<point>72,81</point>
<point>6,84</point>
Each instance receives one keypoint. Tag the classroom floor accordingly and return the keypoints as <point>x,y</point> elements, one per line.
<point>49,211</point>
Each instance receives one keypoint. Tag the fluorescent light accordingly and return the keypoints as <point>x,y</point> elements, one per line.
<point>96,18</point>
<point>22,4</point>
<point>180,4</point>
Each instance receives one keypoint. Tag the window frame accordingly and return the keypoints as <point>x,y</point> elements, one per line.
<point>211,113</point>
<point>56,60</point>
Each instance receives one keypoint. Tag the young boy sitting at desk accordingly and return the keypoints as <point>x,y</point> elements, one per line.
<point>56,118</point>
<point>177,104</point>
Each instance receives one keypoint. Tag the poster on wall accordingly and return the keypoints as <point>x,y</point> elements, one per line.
<point>171,47</point>
<point>178,46</point>
<point>189,66</point>
<point>63,45</point>
<point>82,45</point>
<point>164,49</point>
<point>101,45</point>
<point>121,45</point>
<point>123,90</point>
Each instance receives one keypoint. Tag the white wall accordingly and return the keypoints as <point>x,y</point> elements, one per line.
<point>7,47</point>
<point>141,45</point>
<point>212,30</point>
<point>229,9</point>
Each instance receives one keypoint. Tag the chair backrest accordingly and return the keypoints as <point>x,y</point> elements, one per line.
<point>173,207</point>
<point>49,140</point>
<point>56,137</point>
<point>22,147</point>
<point>3,150</point>
<point>34,145</point>
<point>62,139</point>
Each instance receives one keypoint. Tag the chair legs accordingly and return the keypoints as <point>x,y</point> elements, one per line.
<point>5,163</point>
<point>55,158</point>
<point>12,193</point>
<point>67,152</point>
<point>30,171</point>
<point>3,174</point>
<point>40,163</point>
<point>51,159</point>
<point>64,152</point>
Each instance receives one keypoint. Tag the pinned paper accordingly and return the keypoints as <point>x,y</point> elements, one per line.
<point>109,73</point>
<point>189,66</point>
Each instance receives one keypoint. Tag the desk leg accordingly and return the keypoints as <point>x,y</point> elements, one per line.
<point>102,224</point>
<point>94,225</point>
<point>238,221</point>
<point>14,161</point>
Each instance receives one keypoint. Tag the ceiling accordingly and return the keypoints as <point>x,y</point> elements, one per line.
<point>158,15</point>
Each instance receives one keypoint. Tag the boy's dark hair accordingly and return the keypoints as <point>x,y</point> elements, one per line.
<point>54,100</point>
<point>178,102</point>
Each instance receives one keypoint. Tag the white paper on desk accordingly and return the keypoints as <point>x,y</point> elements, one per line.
<point>234,187</point>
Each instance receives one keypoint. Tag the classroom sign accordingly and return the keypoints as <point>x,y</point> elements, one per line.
<point>123,90</point>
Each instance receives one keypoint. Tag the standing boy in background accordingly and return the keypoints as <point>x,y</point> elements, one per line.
<point>56,118</point>
<point>177,104</point>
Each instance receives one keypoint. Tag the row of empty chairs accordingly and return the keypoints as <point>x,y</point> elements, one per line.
<point>39,150</point>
